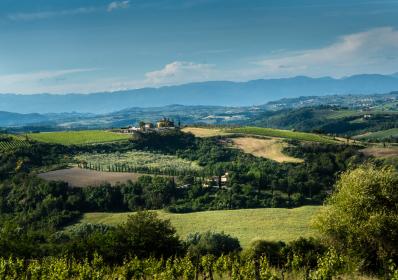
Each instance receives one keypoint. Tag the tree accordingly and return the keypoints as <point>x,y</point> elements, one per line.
<point>216,244</point>
<point>362,215</point>
<point>144,235</point>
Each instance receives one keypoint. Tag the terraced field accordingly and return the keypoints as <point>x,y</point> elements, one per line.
<point>246,224</point>
<point>78,137</point>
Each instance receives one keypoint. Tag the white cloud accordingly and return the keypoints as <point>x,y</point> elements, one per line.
<point>50,14</point>
<point>118,5</point>
<point>179,72</point>
<point>373,51</point>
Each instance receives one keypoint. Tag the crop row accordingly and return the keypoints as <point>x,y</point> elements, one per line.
<point>140,162</point>
<point>289,134</point>
<point>6,145</point>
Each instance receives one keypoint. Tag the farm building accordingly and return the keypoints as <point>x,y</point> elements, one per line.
<point>165,123</point>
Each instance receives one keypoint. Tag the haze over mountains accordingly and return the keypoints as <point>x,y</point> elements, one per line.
<point>220,93</point>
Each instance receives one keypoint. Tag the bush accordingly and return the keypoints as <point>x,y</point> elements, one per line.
<point>211,243</point>
<point>269,249</point>
<point>144,235</point>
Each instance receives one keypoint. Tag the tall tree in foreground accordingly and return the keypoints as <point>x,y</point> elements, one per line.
<point>361,217</point>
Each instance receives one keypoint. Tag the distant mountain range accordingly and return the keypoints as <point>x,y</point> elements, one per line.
<point>201,114</point>
<point>217,93</point>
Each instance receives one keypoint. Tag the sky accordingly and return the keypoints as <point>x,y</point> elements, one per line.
<point>82,46</point>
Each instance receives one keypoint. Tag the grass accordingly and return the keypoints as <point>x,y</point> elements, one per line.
<point>246,224</point>
<point>383,134</point>
<point>266,148</point>
<point>78,137</point>
<point>205,132</point>
<point>279,133</point>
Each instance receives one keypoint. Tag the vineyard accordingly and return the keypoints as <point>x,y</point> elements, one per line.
<point>207,267</point>
<point>138,162</point>
<point>12,143</point>
<point>78,137</point>
<point>288,134</point>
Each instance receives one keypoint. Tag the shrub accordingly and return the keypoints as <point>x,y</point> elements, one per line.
<point>212,243</point>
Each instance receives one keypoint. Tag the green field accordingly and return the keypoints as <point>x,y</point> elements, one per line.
<point>246,224</point>
<point>383,134</point>
<point>138,161</point>
<point>295,135</point>
<point>78,137</point>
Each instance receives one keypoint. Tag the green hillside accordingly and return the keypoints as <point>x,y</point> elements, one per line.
<point>78,137</point>
<point>246,224</point>
<point>295,135</point>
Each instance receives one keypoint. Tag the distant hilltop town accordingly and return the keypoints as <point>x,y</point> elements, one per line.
<point>162,124</point>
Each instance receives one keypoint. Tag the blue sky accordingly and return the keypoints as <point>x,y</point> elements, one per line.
<point>97,45</point>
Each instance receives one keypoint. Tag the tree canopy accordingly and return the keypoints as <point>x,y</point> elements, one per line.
<point>362,214</point>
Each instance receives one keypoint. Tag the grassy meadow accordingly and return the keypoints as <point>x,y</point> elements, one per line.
<point>78,137</point>
<point>246,224</point>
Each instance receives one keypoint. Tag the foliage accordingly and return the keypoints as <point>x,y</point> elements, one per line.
<point>144,235</point>
<point>363,215</point>
<point>207,267</point>
<point>211,243</point>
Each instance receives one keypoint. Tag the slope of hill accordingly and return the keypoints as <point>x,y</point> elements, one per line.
<point>206,93</point>
<point>247,225</point>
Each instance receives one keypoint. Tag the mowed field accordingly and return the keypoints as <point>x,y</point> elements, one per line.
<point>205,132</point>
<point>78,137</point>
<point>77,177</point>
<point>266,148</point>
<point>246,224</point>
<point>381,152</point>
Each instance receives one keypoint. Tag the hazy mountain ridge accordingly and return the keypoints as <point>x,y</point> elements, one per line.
<point>217,93</point>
